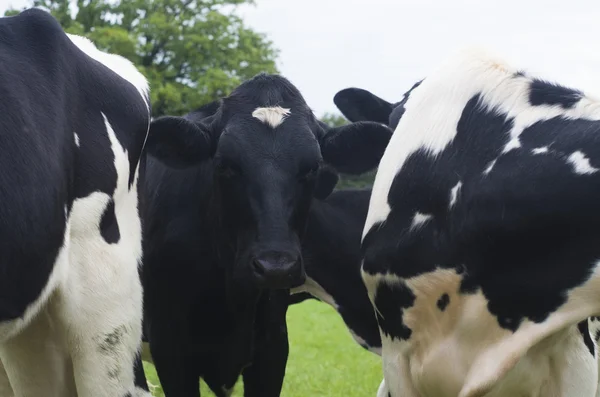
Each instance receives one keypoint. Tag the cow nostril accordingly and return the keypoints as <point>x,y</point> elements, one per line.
<point>259,267</point>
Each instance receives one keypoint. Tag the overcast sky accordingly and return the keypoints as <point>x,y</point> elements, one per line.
<point>386,45</point>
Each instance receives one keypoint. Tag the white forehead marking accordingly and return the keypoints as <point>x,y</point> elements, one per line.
<point>272,116</point>
<point>76,138</point>
<point>118,64</point>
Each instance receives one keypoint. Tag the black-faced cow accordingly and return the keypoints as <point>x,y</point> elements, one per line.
<point>229,188</point>
<point>73,121</point>
<point>332,259</point>
<point>481,242</point>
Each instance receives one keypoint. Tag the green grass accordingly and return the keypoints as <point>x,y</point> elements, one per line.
<point>324,360</point>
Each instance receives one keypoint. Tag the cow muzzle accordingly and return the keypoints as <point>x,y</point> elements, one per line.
<point>278,270</point>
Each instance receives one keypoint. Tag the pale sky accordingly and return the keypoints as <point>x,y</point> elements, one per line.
<point>386,45</point>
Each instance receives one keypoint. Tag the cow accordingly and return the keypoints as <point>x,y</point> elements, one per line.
<point>332,259</point>
<point>480,247</point>
<point>73,122</point>
<point>228,190</point>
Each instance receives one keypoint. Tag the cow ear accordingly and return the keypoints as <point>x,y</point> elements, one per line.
<point>326,181</point>
<point>355,148</point>
<point>357,104</point>
<point>178,142</point>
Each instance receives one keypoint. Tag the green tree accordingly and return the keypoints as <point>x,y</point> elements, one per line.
<point>348,181</point>
<point>191,51</point>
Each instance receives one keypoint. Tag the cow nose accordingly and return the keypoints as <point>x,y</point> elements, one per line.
<point>278,271</point>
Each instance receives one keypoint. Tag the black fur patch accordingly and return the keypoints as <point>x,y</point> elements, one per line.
<point>443,302</point>
<point>545,93</point>
<point>109,226</point>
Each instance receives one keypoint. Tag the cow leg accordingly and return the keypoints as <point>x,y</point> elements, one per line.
<point>36,362</point>
<point>177,374</point>
<point>101,310</point>
<point>104,334</point>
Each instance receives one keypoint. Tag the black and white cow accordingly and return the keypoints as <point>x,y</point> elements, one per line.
<point>481,244</point>
<point>229,188</point>
<point>73,121</point>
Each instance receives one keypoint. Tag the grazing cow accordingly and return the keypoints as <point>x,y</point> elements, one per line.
<point>481,242</point>
<point>332,259</point>
<point>73,121</point>
<point>228,191</point>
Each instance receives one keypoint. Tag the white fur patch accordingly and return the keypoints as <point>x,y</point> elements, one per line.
<point>540,150</point>
<point>419,219</point>
<point>103,297</point>
<point>489,167</point>
<point>118,64</point>
<point>76,139</point>
<point>272,116</point>
<point>581,164</point>
<point>454,193</point>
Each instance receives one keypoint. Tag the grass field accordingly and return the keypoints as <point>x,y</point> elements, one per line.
<point>324,360</point>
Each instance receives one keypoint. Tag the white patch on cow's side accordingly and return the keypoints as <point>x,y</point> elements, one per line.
<point>101,305</point>
<point>76,139</point>
<point>419,219</point>
<point>454,193</point>
<point>540,150</point>
<point>312,287</point>
<point>581,164</point>
<point>118,64</point>
<point>272,116</point>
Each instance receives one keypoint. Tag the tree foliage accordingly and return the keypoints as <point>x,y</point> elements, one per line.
<point>348,181</point>
<point>191,51</point>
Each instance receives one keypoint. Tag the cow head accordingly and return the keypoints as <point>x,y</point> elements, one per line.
<point>357,104</point>
<point>270,157</point>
